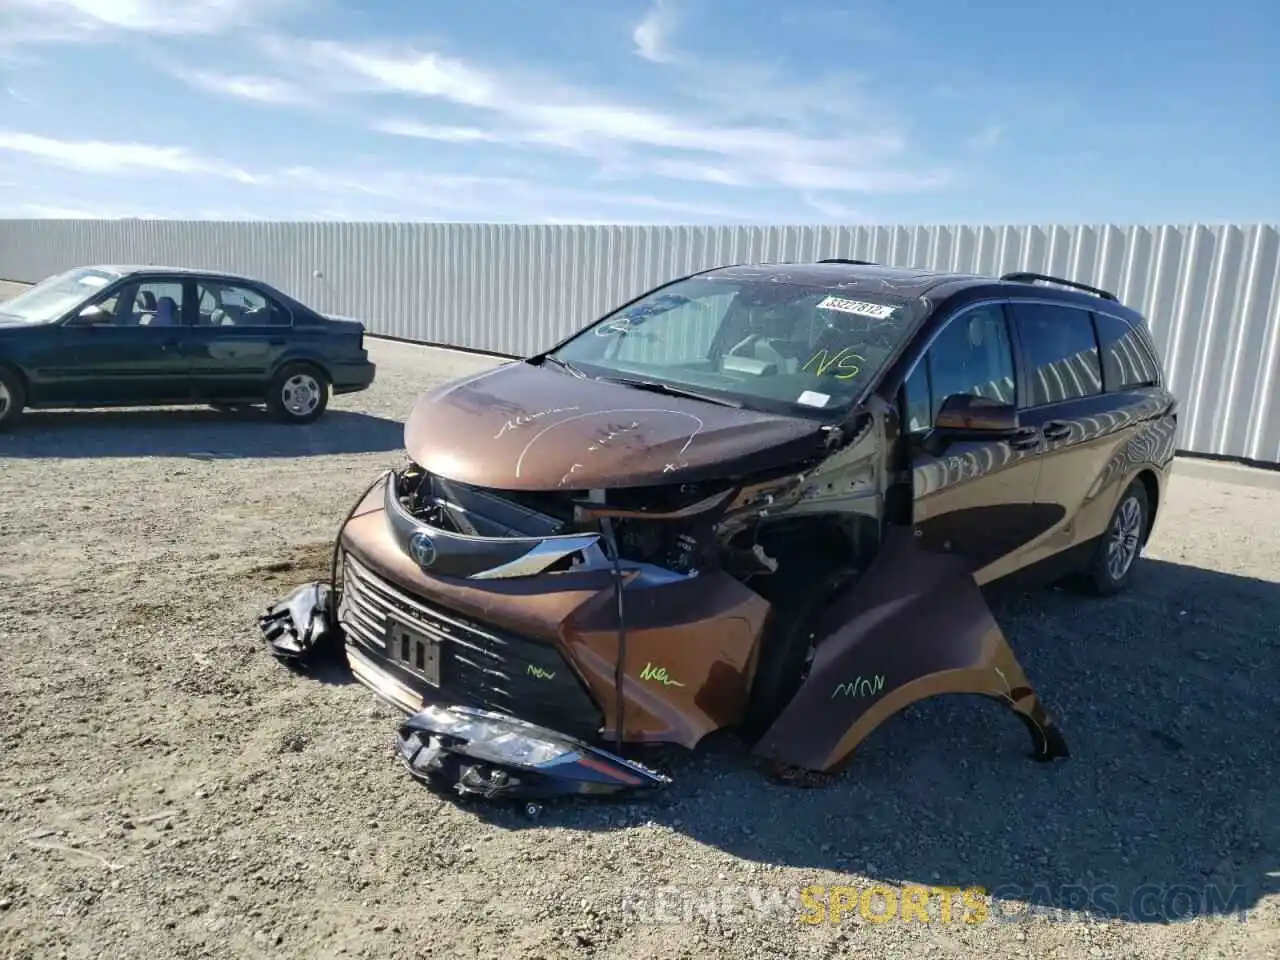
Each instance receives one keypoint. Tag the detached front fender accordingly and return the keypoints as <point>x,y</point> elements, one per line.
<point>915,625</point>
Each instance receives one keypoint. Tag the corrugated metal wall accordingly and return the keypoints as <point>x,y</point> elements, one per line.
<point>1212,293</point>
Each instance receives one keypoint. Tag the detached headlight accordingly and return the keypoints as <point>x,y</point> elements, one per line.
<point>491,736</point>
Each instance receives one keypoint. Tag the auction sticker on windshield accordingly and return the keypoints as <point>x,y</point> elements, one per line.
<point>93,281</point>
<point>811,398</point>
<point>877,311</point>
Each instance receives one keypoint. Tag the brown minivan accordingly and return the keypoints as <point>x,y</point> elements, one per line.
<point>765,497</point>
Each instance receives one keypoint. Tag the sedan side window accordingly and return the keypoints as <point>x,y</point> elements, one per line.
<point>153,303</point>
<point>229,305</point>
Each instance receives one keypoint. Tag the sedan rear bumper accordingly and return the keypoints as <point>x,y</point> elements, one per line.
<point>353,377</point>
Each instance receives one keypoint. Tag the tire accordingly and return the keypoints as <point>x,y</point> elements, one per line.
<point>13,398</point>
<point>788,645</point>
<point>1110,568</point>
<point>299,393</point>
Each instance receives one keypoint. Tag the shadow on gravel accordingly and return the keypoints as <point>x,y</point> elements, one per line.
<point>1167,809</point>
<point>199,434</point>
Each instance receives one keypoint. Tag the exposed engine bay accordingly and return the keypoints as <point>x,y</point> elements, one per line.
<point>661,533</point>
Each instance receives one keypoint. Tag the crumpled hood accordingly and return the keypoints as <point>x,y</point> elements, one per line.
<point>522,427</point>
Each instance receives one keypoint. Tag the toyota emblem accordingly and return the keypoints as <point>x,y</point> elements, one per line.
<point>423,550</point>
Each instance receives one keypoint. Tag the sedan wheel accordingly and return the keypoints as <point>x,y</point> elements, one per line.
<point>12,398</point>
<point>299,394</point>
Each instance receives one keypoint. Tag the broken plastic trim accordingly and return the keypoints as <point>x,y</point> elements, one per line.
<point>305,622</point>
<point>301,625</point>
<point>481,753</point>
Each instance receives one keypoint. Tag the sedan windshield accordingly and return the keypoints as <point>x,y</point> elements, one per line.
<point>770,346</point>
<point>55,296</point>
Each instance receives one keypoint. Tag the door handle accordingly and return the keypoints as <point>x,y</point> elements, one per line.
<point>1025,439</point>
<point>1057,430</point>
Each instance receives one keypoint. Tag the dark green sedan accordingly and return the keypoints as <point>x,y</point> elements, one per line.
<point>151,336</point>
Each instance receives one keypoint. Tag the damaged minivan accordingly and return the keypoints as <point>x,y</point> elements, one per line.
<point>759,497</point>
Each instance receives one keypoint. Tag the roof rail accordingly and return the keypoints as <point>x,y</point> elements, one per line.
<point>856,263</point>
<point>1045,278</point>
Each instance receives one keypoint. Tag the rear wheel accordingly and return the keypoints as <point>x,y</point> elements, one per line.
<point>1110,568</point>
<point>299,393</point>
<point>789,644</point>
<point>13,397</point>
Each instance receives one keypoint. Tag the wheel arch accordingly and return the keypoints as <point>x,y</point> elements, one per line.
<point>1147,477</point>
<point>305,359</point>
<point>24,381</point>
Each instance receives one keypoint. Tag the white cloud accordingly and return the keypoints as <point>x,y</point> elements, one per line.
<point>526,110</point>
<point>363,192</point>
<point>269,90</point>
<point>721,123</point>
<point>99,156</point>
<point>51,211</point>
<point>67,19</point>
<point>426,131</point>
<point>371,70</point>
<point>652,33</point>
<point>834,210</point>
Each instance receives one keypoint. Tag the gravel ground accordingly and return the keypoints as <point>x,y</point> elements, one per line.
<point>166,789</point>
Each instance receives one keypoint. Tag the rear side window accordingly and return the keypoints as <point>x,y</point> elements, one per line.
<point>1126,360</point>
<point>1062,352</point>
<point>231,305</point>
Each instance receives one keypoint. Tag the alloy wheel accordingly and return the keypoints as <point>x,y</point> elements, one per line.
<point>1124,538</point>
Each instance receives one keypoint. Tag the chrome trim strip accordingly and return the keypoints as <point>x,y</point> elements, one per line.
<point>537,560</point>
<point>523,556</point>
<point>388,688</point>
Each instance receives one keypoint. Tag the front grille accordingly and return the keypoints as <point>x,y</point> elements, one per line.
<point>479,666</point>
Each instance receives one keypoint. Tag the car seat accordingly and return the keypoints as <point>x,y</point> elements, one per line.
<point>144,306</point>
<point>771,339</point>
<point>166,314</point>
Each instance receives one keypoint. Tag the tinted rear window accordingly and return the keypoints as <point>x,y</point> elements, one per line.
<point>1126,361</point>
<point>1062,350</point>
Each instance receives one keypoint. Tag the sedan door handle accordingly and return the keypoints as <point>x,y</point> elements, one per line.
<point>1057,430</point>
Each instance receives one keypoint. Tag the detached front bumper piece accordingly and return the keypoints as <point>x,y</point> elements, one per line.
<point>492,755</point>
<point>302,624</point>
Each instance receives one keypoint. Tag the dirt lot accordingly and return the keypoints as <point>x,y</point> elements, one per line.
<point>167,789</point>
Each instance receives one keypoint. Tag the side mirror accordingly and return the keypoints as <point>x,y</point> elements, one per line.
<point>93,315</point>
<point>965,413</point>
<point>964,416</point>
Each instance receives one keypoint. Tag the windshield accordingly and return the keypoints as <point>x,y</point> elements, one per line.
<point>775,347</point>
<point>52,298</point>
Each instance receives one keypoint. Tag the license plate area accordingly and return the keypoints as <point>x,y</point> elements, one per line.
<point>415,651</point>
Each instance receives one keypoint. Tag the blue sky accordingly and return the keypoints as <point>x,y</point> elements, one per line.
<point>641,111</point>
